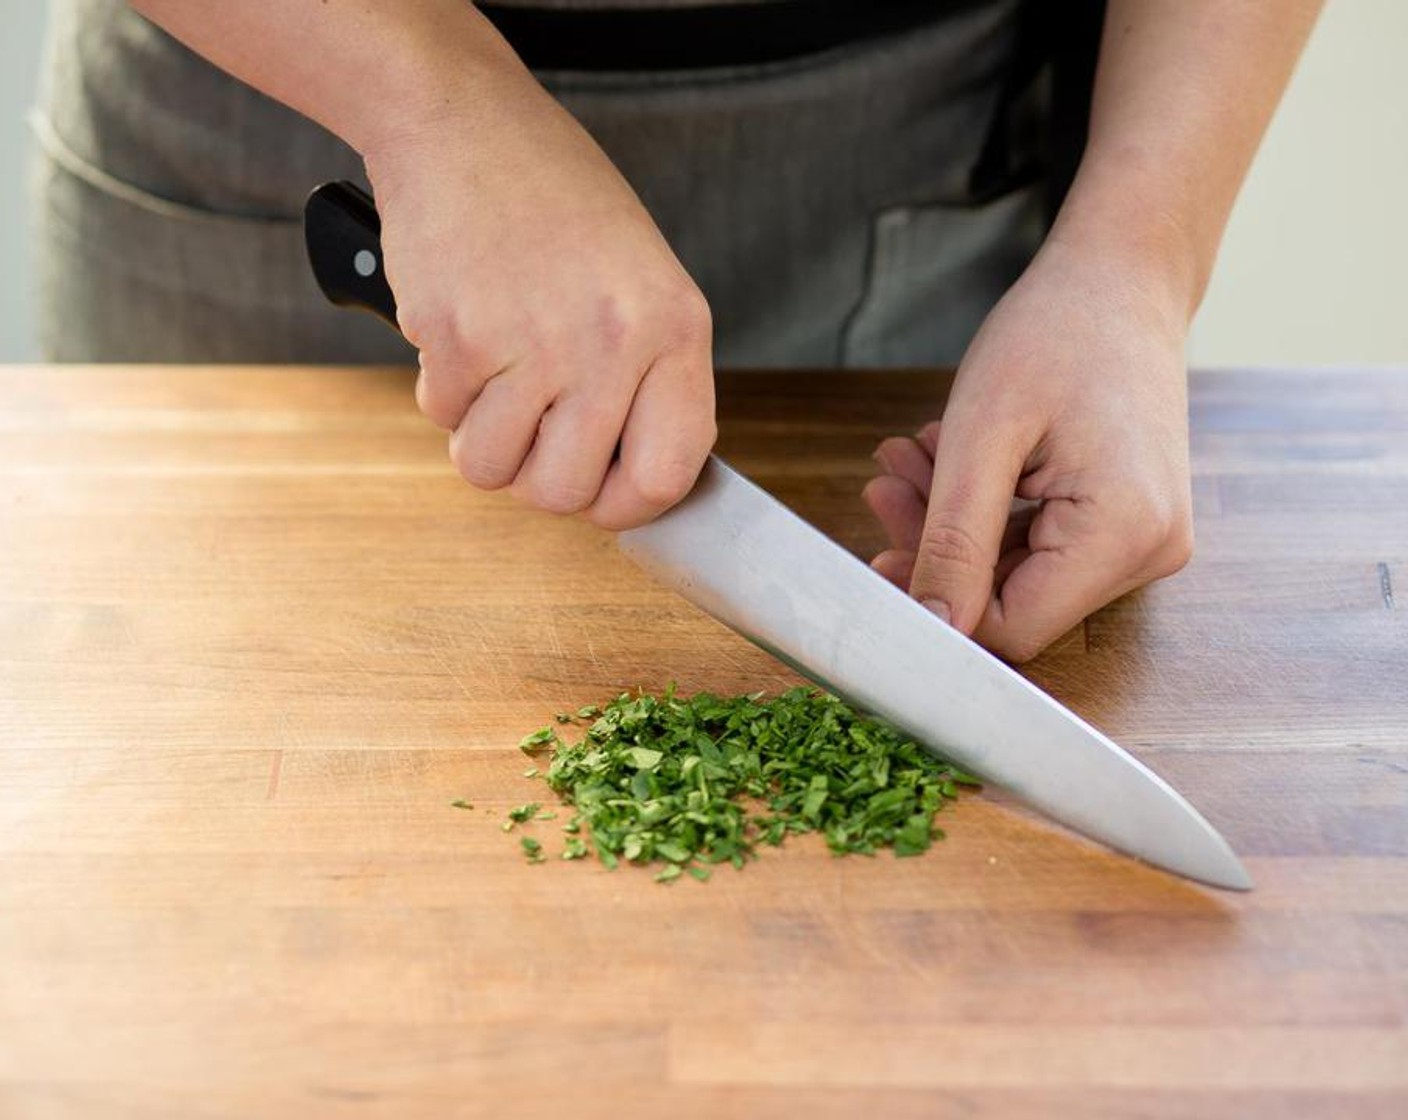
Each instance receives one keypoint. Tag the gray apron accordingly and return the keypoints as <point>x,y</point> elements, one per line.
<point>824,205</point>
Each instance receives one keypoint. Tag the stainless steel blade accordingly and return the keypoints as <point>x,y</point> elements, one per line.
<point>749,561</point>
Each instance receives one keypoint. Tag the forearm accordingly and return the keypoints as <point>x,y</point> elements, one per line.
<point>1183,94</point>
<point>365,71</point>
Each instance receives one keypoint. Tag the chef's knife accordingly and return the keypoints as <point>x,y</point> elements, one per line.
<point>749,561</point>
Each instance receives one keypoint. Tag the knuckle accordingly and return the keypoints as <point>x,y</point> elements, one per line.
<point>952,546</point>
<point>691,321</point>
<point>453,372</point>
<point>1162,532</point>
<point>557,495</point>
<point>432,327</point>
<point>436,398</point>
<point>1177,550</point>
<point>613,519</point>
<point>1020,650</point>
<point>702,434</point>
<point>663,483</point>
<point>893,445</point>
<point>418,324</point>
<point>615,325</point>
<point>680,314</point>
<point>481,468</point>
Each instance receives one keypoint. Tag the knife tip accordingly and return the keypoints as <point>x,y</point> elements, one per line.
<point>1219,867</point>
<point>1235,878</point>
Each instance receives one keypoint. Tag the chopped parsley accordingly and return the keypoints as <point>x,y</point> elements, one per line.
<point>689,782</point>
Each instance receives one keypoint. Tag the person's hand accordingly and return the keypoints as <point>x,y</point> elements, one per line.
<point>552,319</point>
<point>1058,478</point>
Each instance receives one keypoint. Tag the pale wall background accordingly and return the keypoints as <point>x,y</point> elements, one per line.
<point>1312,270</point>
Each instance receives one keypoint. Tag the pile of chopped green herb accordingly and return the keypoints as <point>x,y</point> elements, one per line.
<point>694,781</point>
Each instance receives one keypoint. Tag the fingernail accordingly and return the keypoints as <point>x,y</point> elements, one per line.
<point>940,608</point>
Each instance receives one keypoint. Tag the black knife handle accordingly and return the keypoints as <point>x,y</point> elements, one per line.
<point>343,233</point>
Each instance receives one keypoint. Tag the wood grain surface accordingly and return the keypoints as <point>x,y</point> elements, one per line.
<point>255,636</point>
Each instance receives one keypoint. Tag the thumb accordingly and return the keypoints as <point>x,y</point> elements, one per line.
<point>976,470</point>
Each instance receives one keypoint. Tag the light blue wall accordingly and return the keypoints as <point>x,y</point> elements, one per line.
<point>20,33</point>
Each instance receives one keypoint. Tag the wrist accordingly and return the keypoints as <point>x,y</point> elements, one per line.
<point>1133,219</point>
<point>432,67</point>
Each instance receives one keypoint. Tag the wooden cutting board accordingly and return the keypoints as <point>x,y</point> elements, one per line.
<point>255,636</point>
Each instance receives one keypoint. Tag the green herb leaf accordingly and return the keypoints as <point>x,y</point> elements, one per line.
<point>538,740</point>
<point>643,758</point>
<point>575,848</point>
<point>700,780</point>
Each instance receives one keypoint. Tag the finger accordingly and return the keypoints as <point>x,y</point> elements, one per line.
<point>1007,563</point>
<point>444,392</point>
<point>1068,573</point>
<point>896,565</point>
<point>1015,546</point>
<point>572,453</point>
<point>1019,524</point>
<point>667,436</point>
<point>904,458</point>
<point>976,468</point>
<point>928,436</point>
<point>494,438</point>
<point>899,508</point>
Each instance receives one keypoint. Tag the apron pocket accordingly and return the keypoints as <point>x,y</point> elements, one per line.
<point>935,272</point>
<point>126,275</point>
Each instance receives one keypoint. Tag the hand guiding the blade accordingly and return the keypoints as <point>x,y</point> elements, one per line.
<point>1058,479</point>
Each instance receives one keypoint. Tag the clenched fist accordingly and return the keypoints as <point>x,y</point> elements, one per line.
<point>561,342</point>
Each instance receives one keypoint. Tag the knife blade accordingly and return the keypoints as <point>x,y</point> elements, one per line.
<point>745,558</point>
